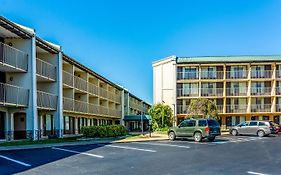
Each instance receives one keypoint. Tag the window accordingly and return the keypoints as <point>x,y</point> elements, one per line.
<point>202,123</point>
<point>261,124</point>
<point>191,123</point>
<point>213,123</point>
<point>253,123</point>
<point>183,123</point>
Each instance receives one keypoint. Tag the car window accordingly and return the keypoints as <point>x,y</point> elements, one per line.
<point>253,124</point>
<point>184,123</point>
<point>191,123</point>
<point>261,124</point>
<point>242,124</point>
<point>213,123</point>
<point>202,123</point>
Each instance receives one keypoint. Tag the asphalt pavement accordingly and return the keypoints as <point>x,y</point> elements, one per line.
<point>226,155</point>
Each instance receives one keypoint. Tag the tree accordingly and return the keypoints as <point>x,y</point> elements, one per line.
<point>205,107</point>
<point>161,116</point>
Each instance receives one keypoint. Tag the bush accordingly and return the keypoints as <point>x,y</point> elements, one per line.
<point>104,131</point>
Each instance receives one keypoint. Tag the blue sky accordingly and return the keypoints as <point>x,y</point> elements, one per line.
<point>120,39</point>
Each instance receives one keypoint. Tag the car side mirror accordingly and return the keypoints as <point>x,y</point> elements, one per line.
<point>179,126</point>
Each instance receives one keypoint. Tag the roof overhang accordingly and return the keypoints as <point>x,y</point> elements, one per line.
<point>45,45</point>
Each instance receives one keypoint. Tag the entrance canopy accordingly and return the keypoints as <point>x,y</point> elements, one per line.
<point>137,118</point>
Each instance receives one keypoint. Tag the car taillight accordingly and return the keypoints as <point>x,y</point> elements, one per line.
<point>207,129</point>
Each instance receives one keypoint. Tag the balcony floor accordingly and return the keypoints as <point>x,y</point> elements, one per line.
<point>8,68</point>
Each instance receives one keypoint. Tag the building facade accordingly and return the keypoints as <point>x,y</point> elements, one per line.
<point>243,87</point>
<point>43,91</point>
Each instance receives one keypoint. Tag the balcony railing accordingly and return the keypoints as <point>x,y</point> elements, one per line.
<point>187,92</point>
<point>220,108</point>
<point>93,89</point>
<point>111,96</point>
<point>118,98</point>
<point>241,91</point>
<point>103,110</point>
<point>68,78</point>
<point>182,109</point>
<point>13,95</point>
<point>45,69</point>
<point>212,75</point>
<point>242,74</point>
<point>114,112</point>
<point>46,100</point>
<point>261,74</point>
<point>278,107</point>
<point>103,92</point>
<point>13,57</point>
<point>68,104</point>
<point>187,75</point>
<point>278,73</point>
<point>261,91</point>
<point>241,108</point>
<point>261,108</point>
<point>278,90</point>
<point>80,83</point>
<point>80,106</point>
<point>93,108</point>
<point>212,92</point>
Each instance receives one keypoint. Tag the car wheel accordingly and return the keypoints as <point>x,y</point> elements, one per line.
<point>172,135</point>
<point>234,132</point>
<point>261,133</point>
<point>198,137</point>
<point>211,139</point>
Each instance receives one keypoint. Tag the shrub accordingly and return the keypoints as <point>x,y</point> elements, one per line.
<point>104,131</point>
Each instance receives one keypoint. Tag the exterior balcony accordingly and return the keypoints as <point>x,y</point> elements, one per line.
<point>261,74</point>
<point>182,109</point>
<point>111,96</point>
<point>187,92</point>
<point>80,84</point>
<point>46,100</point>
<point>103,110</point>
<point>242,74</point>
<point>212,75</point>
<point>220,108</point>
<point>187,75</point>
<point>242,91</point>
<point>278,73</point>
<point>118,98</point>
<point>45,71</point>
<point>68,104</point>
<point>261,91</point>
<point>68,79</point>
<point>278,90</point>
<point>242,108</point>
<point>93,109</point>
<point>93,89</point>
<point>103,93</point>
<point>278,107</point>
<point>80,106</point>
<point>207,92</point>
<point>11,95</point>
<point>12,59</point>
<point>114,112</point>
<point>261,108</point>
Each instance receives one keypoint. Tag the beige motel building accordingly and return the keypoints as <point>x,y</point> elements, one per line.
<point>43,91</point>
<point>243,87</point>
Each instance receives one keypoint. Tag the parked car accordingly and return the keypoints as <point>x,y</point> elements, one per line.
<point>259,128</point>
<point>197,128</point>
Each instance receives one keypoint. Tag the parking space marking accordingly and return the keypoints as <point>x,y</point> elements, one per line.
<point>132,148</point>
<point>16,161</point>
<point>77,152</point>
<point>161,144</point>
<point>256,173</point>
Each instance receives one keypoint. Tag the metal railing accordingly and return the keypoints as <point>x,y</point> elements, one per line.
<point>187,75</point>
<point>241,108</point>
<point>261,74</point>
<point>13,57</point>
<point>242,74</point>
<point>80,106</point>
<point>220,108</point>
<point>241,91</point>
<point>212,92</point>
<point>182,109</point>
<point>80,83</point>
<point>212,74</point>
<point>46,100</point>
<point>261,91</point>
<point>13,95</point>
<point>261,108</point>
<point>93,108</point>
<point>278,90</point>
<point>68,104</point>
<point>46,69</point>
<point>111,96</point>
<point>181,92</point>
<point>93,89</point>
<point>278,73</point>
<point>68,78</point>
<point>118,98</point>
<point>278,107</point>
<point>114,112</point>
<point>103,110</point>
<point>103,92</point>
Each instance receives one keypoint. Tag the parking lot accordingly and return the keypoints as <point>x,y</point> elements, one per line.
<point>226,155</point>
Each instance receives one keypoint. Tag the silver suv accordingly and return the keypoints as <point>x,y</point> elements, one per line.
<point>259,128</point>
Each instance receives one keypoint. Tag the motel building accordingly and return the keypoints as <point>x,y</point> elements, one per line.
<point>243,87</point>
<point>45,92</point>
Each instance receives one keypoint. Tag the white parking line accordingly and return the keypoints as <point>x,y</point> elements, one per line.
<point>256,173</point>
<point>161,144</point>
<point>132,148</point>
<point>77,152</point>
<point>16,161</point>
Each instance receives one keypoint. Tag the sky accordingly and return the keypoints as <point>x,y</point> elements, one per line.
<point>119,39</point>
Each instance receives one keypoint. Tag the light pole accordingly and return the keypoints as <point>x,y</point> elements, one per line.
<point>174,117</point>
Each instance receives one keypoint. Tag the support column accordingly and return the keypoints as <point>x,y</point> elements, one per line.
<point>9,126</point>
<point>76,125</point>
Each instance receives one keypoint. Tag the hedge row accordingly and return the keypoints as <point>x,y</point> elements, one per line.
<point>104,131</point>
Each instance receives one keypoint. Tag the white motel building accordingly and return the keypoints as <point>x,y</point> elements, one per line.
<point>243,87</point>
<point>44,91</point>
